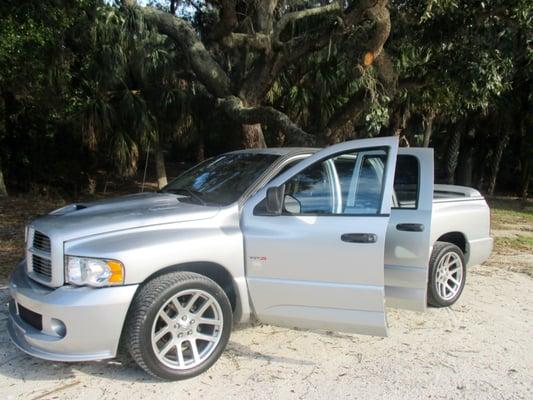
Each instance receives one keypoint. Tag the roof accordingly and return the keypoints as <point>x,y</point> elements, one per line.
<point>280,151</point>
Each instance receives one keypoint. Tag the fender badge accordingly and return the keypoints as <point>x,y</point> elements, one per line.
<point>258,261</point>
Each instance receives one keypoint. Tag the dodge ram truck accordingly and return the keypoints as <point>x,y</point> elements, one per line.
<point>321,239</point>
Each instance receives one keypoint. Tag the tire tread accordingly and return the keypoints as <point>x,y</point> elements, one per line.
<point>440,247</point>
<point>147,296</point>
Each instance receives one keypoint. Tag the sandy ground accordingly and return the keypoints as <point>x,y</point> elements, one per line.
<point>481,348</point>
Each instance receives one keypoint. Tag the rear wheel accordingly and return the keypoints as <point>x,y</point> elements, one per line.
<point>178,325</point>
<point>447,273</point>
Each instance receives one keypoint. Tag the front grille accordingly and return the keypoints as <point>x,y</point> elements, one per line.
<point>31,318</point>
<point>41,242</point>
<point>42,267</point>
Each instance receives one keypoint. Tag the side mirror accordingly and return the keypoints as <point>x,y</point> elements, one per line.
<point>274,200</point>
<point>292,204</point>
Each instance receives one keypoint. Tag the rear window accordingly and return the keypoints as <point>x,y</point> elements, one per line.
<point>406,182</point>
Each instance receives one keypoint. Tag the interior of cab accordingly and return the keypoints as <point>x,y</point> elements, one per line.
<point>350,184</point>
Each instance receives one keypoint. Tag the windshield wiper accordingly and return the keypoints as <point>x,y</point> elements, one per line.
<point>189,193</point>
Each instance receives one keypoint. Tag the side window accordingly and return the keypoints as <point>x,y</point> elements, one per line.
<point>369,185</point>
<point>311,188</point>
<point>345,166</point>
<point>406,182</point>
<point>348,184</point>
<point>260,209</point>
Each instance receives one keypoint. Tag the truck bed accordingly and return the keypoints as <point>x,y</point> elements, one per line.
<point>445,193</point>
<point>463,213</point>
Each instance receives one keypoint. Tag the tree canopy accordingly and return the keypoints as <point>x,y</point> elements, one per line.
<point>88,85</point>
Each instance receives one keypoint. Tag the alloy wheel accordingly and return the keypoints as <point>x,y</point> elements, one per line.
<point>449,275</point>
<point>187,329</point>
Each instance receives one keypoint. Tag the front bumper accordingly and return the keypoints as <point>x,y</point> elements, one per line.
<point>93,319</point>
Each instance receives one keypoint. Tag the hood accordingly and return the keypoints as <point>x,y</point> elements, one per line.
<point>127,212</point>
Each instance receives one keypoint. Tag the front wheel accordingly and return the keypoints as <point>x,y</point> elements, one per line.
<point>447,273</point>
<point>178,325</point>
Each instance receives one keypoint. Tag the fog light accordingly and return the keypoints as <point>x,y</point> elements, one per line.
<point>58,327</point>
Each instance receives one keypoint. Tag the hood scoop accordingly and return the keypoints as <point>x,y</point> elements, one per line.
<point>68,209</point>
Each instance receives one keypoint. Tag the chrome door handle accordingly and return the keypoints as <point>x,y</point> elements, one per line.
<point>359,237</point>
<point>410,227</point>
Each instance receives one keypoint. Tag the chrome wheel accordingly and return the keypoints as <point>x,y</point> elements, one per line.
<point>187,329</point>
<point>449,275</point>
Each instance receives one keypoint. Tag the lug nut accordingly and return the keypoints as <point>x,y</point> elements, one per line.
<point>189,333</point>
<point>184,317</point>
<point>180,335</point>
<point>192,321</point>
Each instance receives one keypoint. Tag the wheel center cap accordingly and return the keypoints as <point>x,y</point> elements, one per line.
<point>183,324</point>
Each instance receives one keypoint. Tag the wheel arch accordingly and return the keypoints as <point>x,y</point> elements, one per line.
<point>211,270</point>
<point>216,272</point>
<point>456,238</point>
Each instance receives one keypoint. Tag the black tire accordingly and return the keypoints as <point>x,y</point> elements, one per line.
<point>144,309</point>
<point>440,250</point>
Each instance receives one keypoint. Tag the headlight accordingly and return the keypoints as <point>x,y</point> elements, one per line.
<point>93,271</point>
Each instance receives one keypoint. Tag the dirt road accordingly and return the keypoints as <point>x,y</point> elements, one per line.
<point>481,348</point>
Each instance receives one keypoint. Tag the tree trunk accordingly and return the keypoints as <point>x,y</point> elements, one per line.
<point>526,163</point>
<point>428,122</point>
<point>466,166</point>
<point>173,6</point>
<point>348,113</point>
<point>3,190</point>
<point>397,121</point>
<point>526,147</point>
<point>526,178</point>
<point>280,139</point>
<point>252,136</point>
<point>265,11</point>
<point>466,159</point>
<point>495,165</point>
<point>453,153</point>
<point>160,169</point>
<point>200,151</point>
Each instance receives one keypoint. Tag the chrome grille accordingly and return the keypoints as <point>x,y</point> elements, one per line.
<point>40,264</point>
<point>41,242</point>
<point>42,267</point>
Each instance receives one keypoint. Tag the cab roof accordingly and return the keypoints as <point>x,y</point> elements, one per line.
<point>279,151</point>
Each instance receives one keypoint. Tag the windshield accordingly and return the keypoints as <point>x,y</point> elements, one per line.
<point>221,180</point>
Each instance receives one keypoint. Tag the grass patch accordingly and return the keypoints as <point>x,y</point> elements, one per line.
<point>511,207</point>
<point>518,243</point>
<point>507,212</point>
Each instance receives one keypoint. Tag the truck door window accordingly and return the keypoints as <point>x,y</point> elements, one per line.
<point>312,189</point>
<point>345,184</point>
<point>406,182</point>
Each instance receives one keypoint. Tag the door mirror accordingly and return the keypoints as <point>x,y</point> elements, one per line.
<point>292,204</point>
<point>274,200</point>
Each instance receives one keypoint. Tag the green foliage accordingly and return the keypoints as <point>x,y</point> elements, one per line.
<point>40,55</point>
<point>143,100</point>
<point>464,51</point>
<point>87,86</point>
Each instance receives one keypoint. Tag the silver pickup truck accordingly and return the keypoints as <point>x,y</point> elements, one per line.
<point>307,238</point>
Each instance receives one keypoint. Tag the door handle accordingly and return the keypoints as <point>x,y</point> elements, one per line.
<point>410,227</point>
<point>359,237</point>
